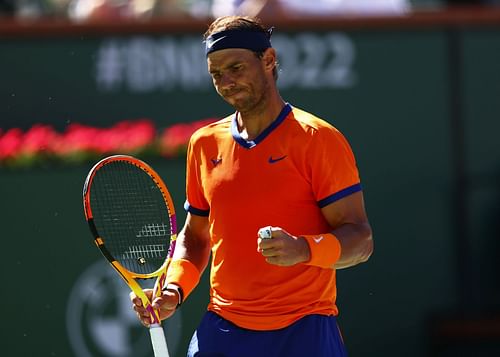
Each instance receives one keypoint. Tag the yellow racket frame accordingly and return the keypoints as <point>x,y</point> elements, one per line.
<point>127,276</point>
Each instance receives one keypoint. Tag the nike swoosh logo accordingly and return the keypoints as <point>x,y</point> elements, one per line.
<point>272,161</point>
<point>319,239</point>
<point>212,43</point>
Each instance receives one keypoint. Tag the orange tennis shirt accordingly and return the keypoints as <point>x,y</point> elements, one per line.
<point>299,164</point>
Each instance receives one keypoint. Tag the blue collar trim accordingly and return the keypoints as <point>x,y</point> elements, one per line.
<point>248,144</point>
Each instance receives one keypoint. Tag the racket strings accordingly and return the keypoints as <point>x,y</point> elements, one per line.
<point>132,216</point>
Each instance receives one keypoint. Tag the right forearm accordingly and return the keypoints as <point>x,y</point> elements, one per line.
<point>196,250</point>
<point>191,255</point>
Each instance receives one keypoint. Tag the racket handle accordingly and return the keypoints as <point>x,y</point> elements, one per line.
<point>158,341</point>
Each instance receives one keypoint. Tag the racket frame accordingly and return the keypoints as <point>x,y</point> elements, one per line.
<point>156,331</point>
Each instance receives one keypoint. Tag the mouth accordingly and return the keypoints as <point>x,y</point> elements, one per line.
<point>230,94</point>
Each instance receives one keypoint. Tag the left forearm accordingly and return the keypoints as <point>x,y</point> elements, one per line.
<point>356,243</point>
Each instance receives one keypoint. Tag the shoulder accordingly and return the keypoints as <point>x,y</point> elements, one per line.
<point>314,126</point>
<point>212,130</point>
<point>319,136</point>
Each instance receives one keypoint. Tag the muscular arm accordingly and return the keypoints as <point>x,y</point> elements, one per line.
<point>350,225</point>
<point>193,242</point>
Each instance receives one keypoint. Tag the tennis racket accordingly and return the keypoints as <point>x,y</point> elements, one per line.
<point>131,216</point>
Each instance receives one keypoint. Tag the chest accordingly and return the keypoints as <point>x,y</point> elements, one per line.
<point>265,172</point>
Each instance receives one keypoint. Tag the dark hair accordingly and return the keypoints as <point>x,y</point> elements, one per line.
<point>234,23</point>
<point>239,23</point>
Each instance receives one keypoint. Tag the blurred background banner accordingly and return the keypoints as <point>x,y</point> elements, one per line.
<point>163,77</point>
<point>416,92</point>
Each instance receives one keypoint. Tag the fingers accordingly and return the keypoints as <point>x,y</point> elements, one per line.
<point>165,304</point>
<point>269,245</point>
<point>283,249</point>
<point>137,304</point>
<point>167,301</point>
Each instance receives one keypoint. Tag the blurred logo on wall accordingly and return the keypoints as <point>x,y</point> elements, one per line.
<point>100,320</point>
<point>142,64</point>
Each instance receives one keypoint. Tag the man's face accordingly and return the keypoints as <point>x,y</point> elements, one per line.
<point>239,77</point>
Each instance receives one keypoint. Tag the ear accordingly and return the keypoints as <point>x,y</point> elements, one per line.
<point>269,58</point>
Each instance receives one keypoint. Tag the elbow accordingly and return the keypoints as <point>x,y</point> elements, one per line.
<point>368,251</point>
<point>358,250</point>
<point>366,246</point>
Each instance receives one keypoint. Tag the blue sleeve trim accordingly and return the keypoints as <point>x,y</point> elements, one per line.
<point>338,195</point>
<point>196,211</point>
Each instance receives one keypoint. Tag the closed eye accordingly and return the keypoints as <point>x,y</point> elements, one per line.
<point>236,67</point>
<point>215,75</point>
<point>232,69</point>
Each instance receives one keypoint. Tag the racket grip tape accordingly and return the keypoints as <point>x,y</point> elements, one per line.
<point>158,341</point>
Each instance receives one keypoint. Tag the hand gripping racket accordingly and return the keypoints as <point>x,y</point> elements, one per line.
<point>131,216</point>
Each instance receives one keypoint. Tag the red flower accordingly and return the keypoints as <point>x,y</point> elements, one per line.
<point>132,136</point>
<point>10,143</point>
<point>76,139</point>
<point>80,143</point>
<point>38,139</point>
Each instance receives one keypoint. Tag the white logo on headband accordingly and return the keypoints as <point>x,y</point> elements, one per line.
<point>211,42</point>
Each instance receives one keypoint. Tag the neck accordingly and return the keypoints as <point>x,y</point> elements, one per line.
<point>254,122</point>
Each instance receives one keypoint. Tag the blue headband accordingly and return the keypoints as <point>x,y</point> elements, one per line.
<point>248,39</point>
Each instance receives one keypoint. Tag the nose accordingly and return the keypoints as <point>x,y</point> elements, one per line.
<point>226,82</point>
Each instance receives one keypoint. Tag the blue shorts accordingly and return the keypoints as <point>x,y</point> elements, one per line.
<point>313,335</point>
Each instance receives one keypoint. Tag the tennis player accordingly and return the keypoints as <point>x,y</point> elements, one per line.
<point>267,164</point>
